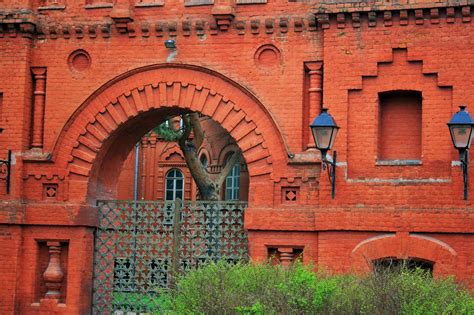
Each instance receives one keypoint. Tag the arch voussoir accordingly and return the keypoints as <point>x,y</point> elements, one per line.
<point>221,112</point>
<point>188,99</point>
<point>118,119</point>
<point>210,107</point>
<point>163,86</point>
<point>233,119</point>
<point>201,100</point>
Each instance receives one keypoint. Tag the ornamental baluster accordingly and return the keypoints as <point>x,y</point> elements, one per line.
<point>54,275</point>
<point>286,256</point>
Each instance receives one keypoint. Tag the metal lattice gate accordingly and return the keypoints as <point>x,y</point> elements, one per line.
<point>140,246</point>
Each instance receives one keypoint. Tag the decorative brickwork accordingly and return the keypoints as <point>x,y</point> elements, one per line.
<point>50,191</point>
<point>39,80</point>
<point>81,82</point>
<point>147,95</point>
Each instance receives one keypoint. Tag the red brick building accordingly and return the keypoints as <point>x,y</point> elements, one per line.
<point>154,160</point>
<point>81,82</point>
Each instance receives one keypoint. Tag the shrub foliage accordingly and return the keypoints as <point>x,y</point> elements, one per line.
<point>222,288</point>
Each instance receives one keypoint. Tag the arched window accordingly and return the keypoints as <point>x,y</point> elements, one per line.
<point>395,265</point>
<point>204,161</point>
<point>174,185</point>
<point>232,182</point>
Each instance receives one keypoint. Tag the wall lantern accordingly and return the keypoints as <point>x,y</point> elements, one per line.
<point>460,127</point>
<point>5,169</point>
<point>170,43</point>
<point>324,131</point>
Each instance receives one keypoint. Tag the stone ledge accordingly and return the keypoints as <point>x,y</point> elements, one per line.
<point>360,218</point>
<point>48,213</point>
<point>150,5</point>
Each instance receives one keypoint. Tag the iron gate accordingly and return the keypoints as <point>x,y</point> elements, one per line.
<point>140,247</point>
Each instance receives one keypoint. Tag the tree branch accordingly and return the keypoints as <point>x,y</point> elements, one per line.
<point>187,131</point>
<point>206,185</point>
<point>228,167</point>
<point>197,129</point>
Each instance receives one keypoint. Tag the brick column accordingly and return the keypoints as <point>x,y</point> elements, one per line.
<point>315,94</point>
<point>39,94</point>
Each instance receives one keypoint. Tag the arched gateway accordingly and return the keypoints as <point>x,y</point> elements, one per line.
<point>140,245</point>
<point>99,135</point>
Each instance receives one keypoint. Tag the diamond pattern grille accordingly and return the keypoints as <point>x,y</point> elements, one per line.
<point>140,246</point>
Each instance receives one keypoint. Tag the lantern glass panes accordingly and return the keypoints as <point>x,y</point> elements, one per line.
<point>460,127</point>
<point>461,136</point>
<point>324,130</point>
<point>324,137</point>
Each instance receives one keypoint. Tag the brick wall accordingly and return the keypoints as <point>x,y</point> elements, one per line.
<point>81,84</point>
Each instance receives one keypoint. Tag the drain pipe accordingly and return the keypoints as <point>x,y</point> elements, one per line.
<point>135,209</point>
<point>135,180</point>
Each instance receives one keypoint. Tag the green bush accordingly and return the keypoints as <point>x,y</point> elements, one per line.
<point>222,288</point>
<point>130,301</point>
<point>401,291</point>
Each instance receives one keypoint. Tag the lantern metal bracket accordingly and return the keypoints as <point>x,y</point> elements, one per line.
<point>5,170</point>
<point>331,169</point>
<point>464,157</point>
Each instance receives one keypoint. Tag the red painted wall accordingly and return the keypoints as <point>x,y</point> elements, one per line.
<point>81,84</point>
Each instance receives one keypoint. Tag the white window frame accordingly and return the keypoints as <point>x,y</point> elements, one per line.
<point>232,182</point>
<point>174,175</point>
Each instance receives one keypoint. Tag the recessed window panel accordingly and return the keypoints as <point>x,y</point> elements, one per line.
<point>400,121</point>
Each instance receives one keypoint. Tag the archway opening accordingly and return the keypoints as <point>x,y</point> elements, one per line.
<point>144,244</point>
<point>138,157</point>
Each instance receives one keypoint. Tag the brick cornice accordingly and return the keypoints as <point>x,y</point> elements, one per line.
<point>17,22</point>
<point>354,14</point>
<point>28,23</point>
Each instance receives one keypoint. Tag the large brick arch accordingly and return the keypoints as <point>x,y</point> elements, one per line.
<point>403,246</point>
<point>121,111</point>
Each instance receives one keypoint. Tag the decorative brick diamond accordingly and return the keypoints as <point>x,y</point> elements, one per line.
<point>50,191</point>
<point>291,195</point>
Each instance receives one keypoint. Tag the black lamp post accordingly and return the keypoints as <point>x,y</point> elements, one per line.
<point>324,130</point>
<point>460,127</point>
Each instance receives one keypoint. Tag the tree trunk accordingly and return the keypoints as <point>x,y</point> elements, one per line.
<point>209,185</point>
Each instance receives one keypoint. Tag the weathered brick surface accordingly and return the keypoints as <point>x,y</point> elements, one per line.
<point>109,81</point>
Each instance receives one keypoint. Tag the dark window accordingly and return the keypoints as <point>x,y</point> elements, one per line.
<point>204,161</point>
<point>174,185</point>
<point>394,264</point>
<point>232,182</point>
